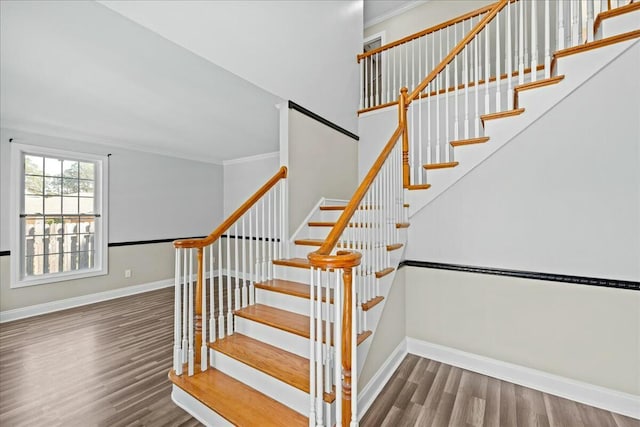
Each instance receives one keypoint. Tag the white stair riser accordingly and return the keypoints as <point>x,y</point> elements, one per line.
<point>284,393</point>
<point>330,216</point>
<point>618,25</point>
<point>318,232</point>
<point>292,273</point>
<point>197,409</point>
<point>278,338</point>
<point>286,302</point>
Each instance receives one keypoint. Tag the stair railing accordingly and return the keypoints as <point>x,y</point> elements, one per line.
<point>230,260</point>
<point>511,45</point>
<point>352,256</point>
<point>402,63</point>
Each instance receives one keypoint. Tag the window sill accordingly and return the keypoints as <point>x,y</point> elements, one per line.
<point>58,277</point>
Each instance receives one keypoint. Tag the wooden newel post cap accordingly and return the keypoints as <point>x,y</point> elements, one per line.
<point>342,259</point>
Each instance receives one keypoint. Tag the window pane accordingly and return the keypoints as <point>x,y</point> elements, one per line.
<point>71,242</point>
<point>33,226</point>
<point>71,225</point>
<point>52,167</point>
<point>70,169</point>
<point>54,263</point>
<point>33,204</point>
<point>70,186</point>
<point>52,205</point>
<point>52,186</point>
<point>33,184</point>
<point>34,266</point>
<point>86,187</point>
<point>87,225</point>
<point>86,205</point>
<point>70,205</point>
<point>55,226</point>
<point>34,245</point>
<point>87,170</point>
<point>33,164</point>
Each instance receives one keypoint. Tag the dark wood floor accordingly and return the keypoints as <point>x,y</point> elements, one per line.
<point>424,392</point>
<point>106,365</point>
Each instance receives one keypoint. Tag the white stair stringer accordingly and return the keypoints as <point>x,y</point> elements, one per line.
<point>577,69</point>
<point>618,24</point>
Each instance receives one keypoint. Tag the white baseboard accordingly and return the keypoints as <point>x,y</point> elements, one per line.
<point>50,307</point>
<point>589,394</point>
<point>375,385</point>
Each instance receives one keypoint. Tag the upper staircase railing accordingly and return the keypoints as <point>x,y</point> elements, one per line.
<point>242,249</point>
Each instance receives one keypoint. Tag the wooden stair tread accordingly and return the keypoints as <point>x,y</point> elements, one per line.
<point>418,187</point>
<point>294,323</point>
<point>593,45</point>
<point>621,10</point>
<point>384,272</point>
<point>432,166</point>
<point>281,364</point>
<point>534,85</point>
<point>501,114</point>
<point>228,397</point>
<point>402,225</point>
<point>462,142</point>
<point>372,303</point>
<point>394,246</point>
<point>288,287</point>
<point>331,224</point>
<point>319,242</point>
<point>332,208</point>
<point>293,262</point>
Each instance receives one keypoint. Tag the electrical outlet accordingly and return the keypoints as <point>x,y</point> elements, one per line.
<point>127,273</point>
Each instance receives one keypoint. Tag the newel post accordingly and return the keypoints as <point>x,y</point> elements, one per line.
<point>198,309</point>
<point>347,350</point>
<point>402,111</point>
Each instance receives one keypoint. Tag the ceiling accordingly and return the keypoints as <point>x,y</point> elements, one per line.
<point>79,70</point>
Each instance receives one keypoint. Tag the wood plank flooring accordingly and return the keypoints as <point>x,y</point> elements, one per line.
<point>427,393</point>
<point>106,365</point>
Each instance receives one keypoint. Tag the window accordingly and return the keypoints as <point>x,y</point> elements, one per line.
<point>59,222</point>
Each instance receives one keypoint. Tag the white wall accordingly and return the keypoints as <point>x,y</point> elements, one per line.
<point>322,162</point>
<point>431,13</point>
<point>302,51</point>
<point>242,177</point>
<point>586,333</point>
<point>562,197</point>
<point>151,197</point>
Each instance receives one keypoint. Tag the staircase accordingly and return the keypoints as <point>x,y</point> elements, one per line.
<point>273,330</point>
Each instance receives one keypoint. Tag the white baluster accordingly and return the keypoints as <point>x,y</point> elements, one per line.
<point>561,32</point>
<point>319,336</point>
<point>185,307</point>
<point>575,23</point>
<point>547,41</point>
<point>252,272</point>
<point>466,76</point>
<point>245,289</point>
<point>420,135</point>
<point>487,70</point>
<point>476,67</point>
<point>220,293</point>
<point>269,236</point>
<point>509,55</point>
<point>263,255</point>
<point>236,247</point>
<point>438,87</point>
<point>212,299</point>
<point>203,317</point>
<point>354,365</point>
<point>177,317</point>
<point>327,342</point>
<point>190,355</point>
<point>229,288</point>
<point>456,123</point>
<point>520,43</point>
<point>362,80</point>
<point>428,93</point>
<point>447,138</point>
<point>337,343</point>
<point>534,42</point>
<point>590,20</point>
<point>498,60</point>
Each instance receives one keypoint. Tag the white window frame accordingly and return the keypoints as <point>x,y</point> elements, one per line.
<point>18,150</point>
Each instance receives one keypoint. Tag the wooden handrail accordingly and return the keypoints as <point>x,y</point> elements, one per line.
<point>426,31</point>
<point>343,221</point>
<point>215,234</point>
<point>495,8</point>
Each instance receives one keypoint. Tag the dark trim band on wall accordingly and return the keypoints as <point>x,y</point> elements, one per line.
<point>149,242</point>
<point>5,253</point>
<point>322,120</point>
<point>578,280</point>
